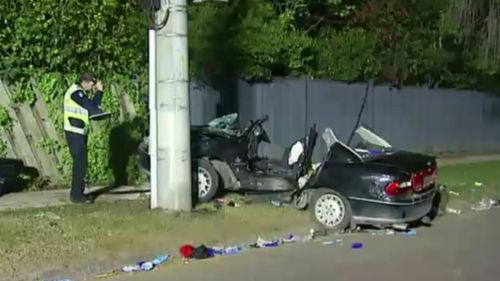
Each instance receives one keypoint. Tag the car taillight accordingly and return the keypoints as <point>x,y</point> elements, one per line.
<point>417,180</point>
<point>397,187</point>
<point>424,179</point>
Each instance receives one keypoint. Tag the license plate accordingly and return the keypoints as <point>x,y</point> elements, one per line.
<point>427,181</point>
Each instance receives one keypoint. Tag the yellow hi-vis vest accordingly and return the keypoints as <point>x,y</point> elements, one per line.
<point>74,110</point>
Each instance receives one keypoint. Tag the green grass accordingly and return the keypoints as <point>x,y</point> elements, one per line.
<point>76,235</point>
<point>462,178</point>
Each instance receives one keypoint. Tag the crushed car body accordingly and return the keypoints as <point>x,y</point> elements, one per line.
<point>369,182</point>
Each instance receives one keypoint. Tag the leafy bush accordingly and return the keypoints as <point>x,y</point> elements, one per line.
<point>52,43</point>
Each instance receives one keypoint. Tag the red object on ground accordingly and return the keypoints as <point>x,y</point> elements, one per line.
<point>186,251</point>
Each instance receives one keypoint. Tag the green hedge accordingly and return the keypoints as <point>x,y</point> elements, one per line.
<point>52,43</point>
<point>111,144</point>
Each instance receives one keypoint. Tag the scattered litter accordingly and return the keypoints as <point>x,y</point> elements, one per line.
<point>186,251</point>
<point>202,252</point>
<point>63,280</point>
<point>334,242</point>
<point>454,193</point>
<point>381,232</point>
<point>221,201</point>
<point>232,250</point>
<point>409,233</point>
<point>378,232</point>
<point>49,215</point>
<point>389,232</point>
<point>453,211</point>
<point>485,204</point>
<point>478,184</point>
<point>233,204</point>
<point>357,245</point>
<point>261,243</point>
<point>290,239</point>
<point>401,226</point>
<point>145,265</point>
<point>276,203</point>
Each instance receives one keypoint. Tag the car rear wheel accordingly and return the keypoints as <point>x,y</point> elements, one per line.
<point>208,181</point>
<point>330,210</point>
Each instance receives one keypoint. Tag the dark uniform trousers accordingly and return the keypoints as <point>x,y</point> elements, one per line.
<point>78,148</point>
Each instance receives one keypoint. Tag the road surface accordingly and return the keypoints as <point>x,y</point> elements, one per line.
<point>465,247</point>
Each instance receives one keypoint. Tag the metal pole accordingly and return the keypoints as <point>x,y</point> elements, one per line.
<point>172,104</point>
<point>153,129</point>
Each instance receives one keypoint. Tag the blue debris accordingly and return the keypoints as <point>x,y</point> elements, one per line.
<point>409,233</point>
<point>145,265</point>
<point>357,245</point>
<point>333,242</point>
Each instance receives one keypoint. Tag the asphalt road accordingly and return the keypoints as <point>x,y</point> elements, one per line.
<point>465,247</point>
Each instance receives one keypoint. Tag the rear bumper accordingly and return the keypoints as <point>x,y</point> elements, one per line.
<point>381,212</point>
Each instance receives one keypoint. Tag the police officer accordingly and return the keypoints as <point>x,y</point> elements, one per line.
<point>79,109</point>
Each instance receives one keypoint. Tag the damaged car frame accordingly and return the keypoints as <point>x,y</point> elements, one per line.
<point>369,182</point>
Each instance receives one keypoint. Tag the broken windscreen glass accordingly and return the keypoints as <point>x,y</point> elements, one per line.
<point>364,139</point>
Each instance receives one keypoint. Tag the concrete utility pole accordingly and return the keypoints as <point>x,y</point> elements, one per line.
<point>170,124</point>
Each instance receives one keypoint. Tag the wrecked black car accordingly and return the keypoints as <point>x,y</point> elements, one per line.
<point>369,182</point>
<point>217,148</point>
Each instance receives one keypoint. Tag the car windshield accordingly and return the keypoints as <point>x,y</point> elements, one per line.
<point>364,139</point>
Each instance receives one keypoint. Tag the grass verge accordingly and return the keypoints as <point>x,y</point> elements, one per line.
<point>34,240</point>
<point>70,236</point>
<point>472,181</point>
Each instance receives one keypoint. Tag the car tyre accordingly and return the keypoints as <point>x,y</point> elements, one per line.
<point>330,210</point>
<point>207,180</point>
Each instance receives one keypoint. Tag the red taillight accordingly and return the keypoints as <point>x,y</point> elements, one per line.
<point>424,179</point>
<point>397,188</point>
<point>417,180</point>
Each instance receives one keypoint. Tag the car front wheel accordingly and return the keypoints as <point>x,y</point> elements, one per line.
<point>330,210</point>
<point>208,181</point>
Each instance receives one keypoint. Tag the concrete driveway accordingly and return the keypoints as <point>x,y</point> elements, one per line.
<point>465,247</point>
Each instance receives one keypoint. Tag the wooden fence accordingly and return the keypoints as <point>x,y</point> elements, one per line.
<point>31,124</point>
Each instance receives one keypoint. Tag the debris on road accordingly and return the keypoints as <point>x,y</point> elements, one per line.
<point>278,203</point>
<point>145,265</point>
<point>453,211</point>
<point>357,245</point>
<point>409,233</point>
<point>223,202</point>
<point>390,232</point>
<point>485,204</point>
<point>334,242</point>
<point>402,226</point>
<point>186,251</point>
<point>202,252</point>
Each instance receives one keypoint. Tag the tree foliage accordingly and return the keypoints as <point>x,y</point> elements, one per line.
<point>455,43</point>
<point>475,25</point>
<point>52,42</point>
<point>72,37</point>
